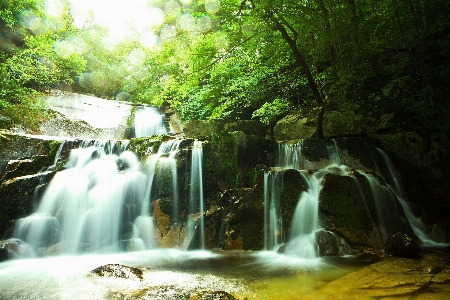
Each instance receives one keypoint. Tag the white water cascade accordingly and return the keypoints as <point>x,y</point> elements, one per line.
<point>301,241</point>
<point>148,121</point>
<point>418,227</point>
<point>94,205</point>
<point>196,193</point>
<point>305,222</point>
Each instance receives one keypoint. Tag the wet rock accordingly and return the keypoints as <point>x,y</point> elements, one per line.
<point>393,278</point>
<point>215,295</point>
<point>17,197</point>
<point>402,245</point>
<point>329,244</point>
<point>342,210</point>
<point>119,271</point>
<point>15,147</point>
<point>9,248</point>
<point>243,220</point>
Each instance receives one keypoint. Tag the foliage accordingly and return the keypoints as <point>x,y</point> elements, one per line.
<point>251,59</point>
<point>35,56</point>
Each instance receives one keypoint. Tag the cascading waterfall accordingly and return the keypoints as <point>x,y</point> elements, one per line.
<point>166,160</point>
<point>196,193</point>
<point>418,227</point>
<point>272,214</point>
<point>90,206</point>
<point>305,222</point>
<point>148,121</point>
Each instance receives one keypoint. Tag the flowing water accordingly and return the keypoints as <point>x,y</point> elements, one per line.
<point>83,205</point>
<point>83,212</point>
<point>148,121</point>
<point>196,204</point>
<point>305,221</point>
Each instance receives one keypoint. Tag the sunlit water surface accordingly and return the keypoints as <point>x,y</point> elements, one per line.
<point>168,274</point>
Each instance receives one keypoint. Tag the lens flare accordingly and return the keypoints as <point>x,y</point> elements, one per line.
<point>136,57</point>
<point>55,24</point>
<point>156,17</point>
<point>204,23</point>
<point>167,32</point>
<point>172,8</point>
<point>186,22</point>
<point>78,45</point>
<point>63,49</point>
<point>122,96</point>
<point>212,6</point>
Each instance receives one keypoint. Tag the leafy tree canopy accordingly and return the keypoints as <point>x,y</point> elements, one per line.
<point>242,59</point>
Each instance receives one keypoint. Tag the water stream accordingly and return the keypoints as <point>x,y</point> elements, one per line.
<point>148,121</point>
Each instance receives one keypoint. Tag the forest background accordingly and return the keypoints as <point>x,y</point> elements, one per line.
<point>237,59</point>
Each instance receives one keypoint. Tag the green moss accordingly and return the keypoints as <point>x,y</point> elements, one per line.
<point>144,145</point>
<point>53,147</point>
<point>130,119</point>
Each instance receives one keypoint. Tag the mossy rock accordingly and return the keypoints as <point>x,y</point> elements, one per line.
<point>243,220</point>
<point>145,146</point>
<point>342,210</point>
<point>202,128</point>
<point>294,128</point>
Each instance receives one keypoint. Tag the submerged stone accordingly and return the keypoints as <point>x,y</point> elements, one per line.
<point>119,271</point>
<point>215,295</point>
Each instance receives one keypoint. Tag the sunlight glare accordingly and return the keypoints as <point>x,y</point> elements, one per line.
<point>54,8</point>
<point>124,19</point>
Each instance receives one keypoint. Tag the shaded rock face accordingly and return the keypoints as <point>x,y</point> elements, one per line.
<point>203,129</point>
<point>294,127</point>
<point>329,244</point>
<point>349,207</point>
<point>18,197</point>
<point>422,158</point>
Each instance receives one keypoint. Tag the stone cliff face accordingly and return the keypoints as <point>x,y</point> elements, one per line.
<point>358,205</point>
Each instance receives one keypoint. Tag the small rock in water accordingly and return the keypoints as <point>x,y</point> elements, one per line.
<point>367,258</point>
<point>401,245</point>
<point>215,295</point>
<point>119,271</point>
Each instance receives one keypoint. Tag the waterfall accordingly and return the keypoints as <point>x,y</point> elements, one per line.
<point>272,214</point>
<point>196,194</point>
<point>148,121</point>
<point>89,207</point>
<point>305,222</point>
<point>418,227</point>
<point>289,156</point>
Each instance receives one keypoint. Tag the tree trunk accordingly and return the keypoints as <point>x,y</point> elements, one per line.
<point>300,59</point>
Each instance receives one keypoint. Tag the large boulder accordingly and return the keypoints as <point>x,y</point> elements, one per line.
<point>18,196</point>
<point>402,245</point>
<point>294,127</point>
